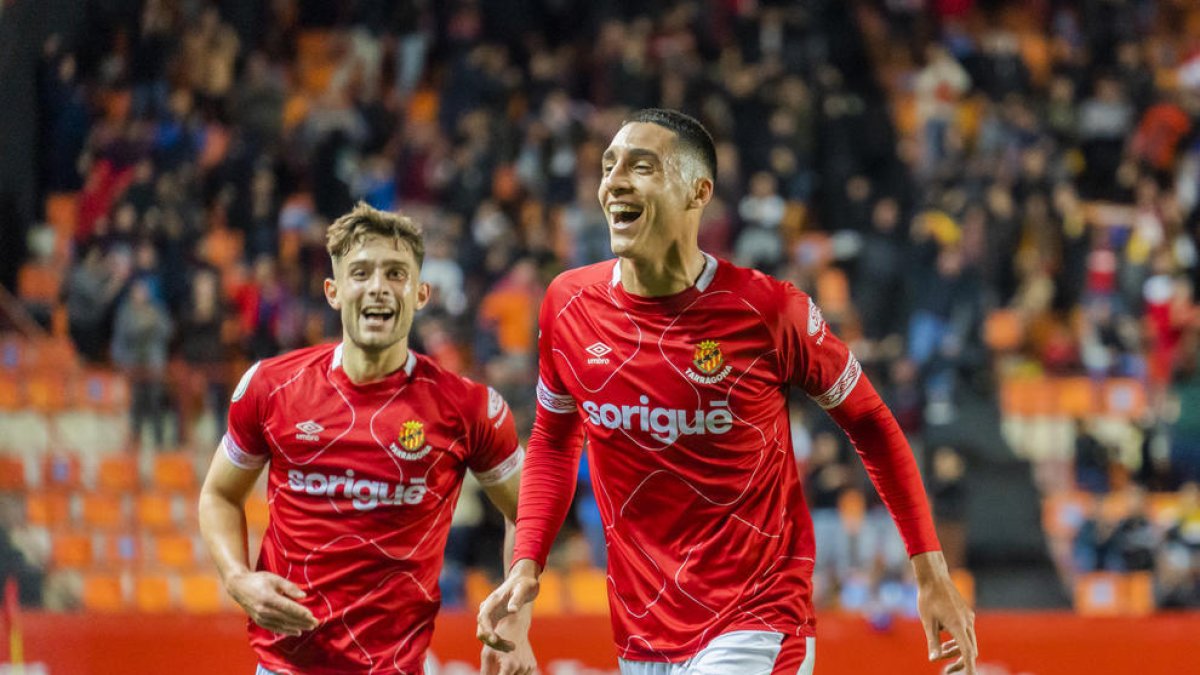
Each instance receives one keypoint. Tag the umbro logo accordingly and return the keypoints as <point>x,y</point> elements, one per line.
<point>598,351</point>
<point>309,431</point>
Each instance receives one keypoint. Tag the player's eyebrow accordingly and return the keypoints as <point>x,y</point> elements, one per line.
<point>633,154</point>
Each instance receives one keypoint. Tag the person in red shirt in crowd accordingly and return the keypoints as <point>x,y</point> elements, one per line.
<point>367,444</point>
<point>677,367</point>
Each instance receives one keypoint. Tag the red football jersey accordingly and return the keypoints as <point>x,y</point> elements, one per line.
<point>362,482</point>
<point>684,403</point>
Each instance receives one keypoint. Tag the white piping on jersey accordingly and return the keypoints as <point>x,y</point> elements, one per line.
<point>702,282</point>
<point>279,447</point>
<point>679,570</point>
<point>409,364</point>
<point>637,350</point>
<point>841,388</point>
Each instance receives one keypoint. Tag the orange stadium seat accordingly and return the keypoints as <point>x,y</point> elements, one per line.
<point>103,592</point>
<point>175,471</point>
<point>478,587</point>
<point>154,511</point>
<point>1078,397</point>
<point>176,551</point>
<point>12,392</point>
<point>257,512</point>
<point>12,473</point>
<point>1098,594</point>
<point>964,581</point>
<point>117,473</point>
<point>47,509</point>
<point>102,391</point>
<point>549,601</point>
<point>200,593</point>
<point>152,593</point>
<point>70,550</point>
<point>62,210</point>
<point>39,282</point>
<point>588,590</point>
<point>62,471</point>
<point>47,391</point>
<point>120,550</point>
<point>104,510</point>
<point>1003,330</point>
<point>1124,398</point>
<point>52,355</point>
<point>1064,512</point>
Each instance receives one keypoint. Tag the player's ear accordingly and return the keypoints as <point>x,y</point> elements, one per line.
<point>423,293</point>
<point>702,192</point>
<point>331,295</point>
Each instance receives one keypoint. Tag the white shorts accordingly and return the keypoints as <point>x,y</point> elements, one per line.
<point>742,652</point>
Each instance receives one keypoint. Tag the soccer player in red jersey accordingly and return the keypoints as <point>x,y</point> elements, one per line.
<point>677,367</point>
<point>367,444</point>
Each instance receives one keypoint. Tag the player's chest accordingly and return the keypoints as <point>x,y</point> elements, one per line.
<point>718,353</point>
<point>375,438</point>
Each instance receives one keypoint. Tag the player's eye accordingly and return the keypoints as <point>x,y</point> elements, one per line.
<point>607,169</point>
<point>359,274</point>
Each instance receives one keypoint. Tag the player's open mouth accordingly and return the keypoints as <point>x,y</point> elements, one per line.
<point>623,215</point>
<point>377,317</point>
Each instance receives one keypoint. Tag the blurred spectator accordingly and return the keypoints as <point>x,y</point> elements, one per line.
<point>203,349</point>
<point>1179,560</point>
<point>761,213</point>
<point>91,290</point>
<point>939,85</point>
<point>949,496</point>
<point>828,479</point>
<point>139,348</point>
<point>1093,461</point>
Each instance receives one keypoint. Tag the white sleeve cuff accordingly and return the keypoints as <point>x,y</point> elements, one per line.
<point>556,403</point>
<point>504,470</point>
<point>241,458</point>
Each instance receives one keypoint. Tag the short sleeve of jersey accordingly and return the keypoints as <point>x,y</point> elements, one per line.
<point>812,357</point>
<point>496,454</point>
<point>552,396</point>
<point>244,442</point>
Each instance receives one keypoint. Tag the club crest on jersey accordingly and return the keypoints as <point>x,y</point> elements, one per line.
<point>710,362</point>
<point>412,438</point>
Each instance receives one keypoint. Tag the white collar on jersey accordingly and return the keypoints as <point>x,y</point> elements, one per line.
<point>409,364</point>
<point>702,283</point>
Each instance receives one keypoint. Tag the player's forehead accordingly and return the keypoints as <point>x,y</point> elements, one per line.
<point>640,138</point>
<point>375,249</point>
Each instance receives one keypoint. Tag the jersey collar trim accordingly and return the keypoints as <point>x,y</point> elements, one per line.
<point>410,363</point>
<point>706,275</point>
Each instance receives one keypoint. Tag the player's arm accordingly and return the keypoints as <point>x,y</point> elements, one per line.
<point>268,599</point>
<point>512,653</point>
<point>815,359</point>
<point>889,462</point>
<point>547,488</point>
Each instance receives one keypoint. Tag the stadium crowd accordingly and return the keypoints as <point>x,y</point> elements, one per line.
<point>956,172</point>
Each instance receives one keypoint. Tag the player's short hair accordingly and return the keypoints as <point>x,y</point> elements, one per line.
<point>366,221</point>
<point>692,137</point>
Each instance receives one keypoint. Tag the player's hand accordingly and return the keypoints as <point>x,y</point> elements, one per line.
<point>520,661</point>
<point>518,590</point>
<point>270,600</point>
<point>943,609</point>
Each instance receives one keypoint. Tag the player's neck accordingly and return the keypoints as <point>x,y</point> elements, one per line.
<point>673,273</point>
<point>363,366</point>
